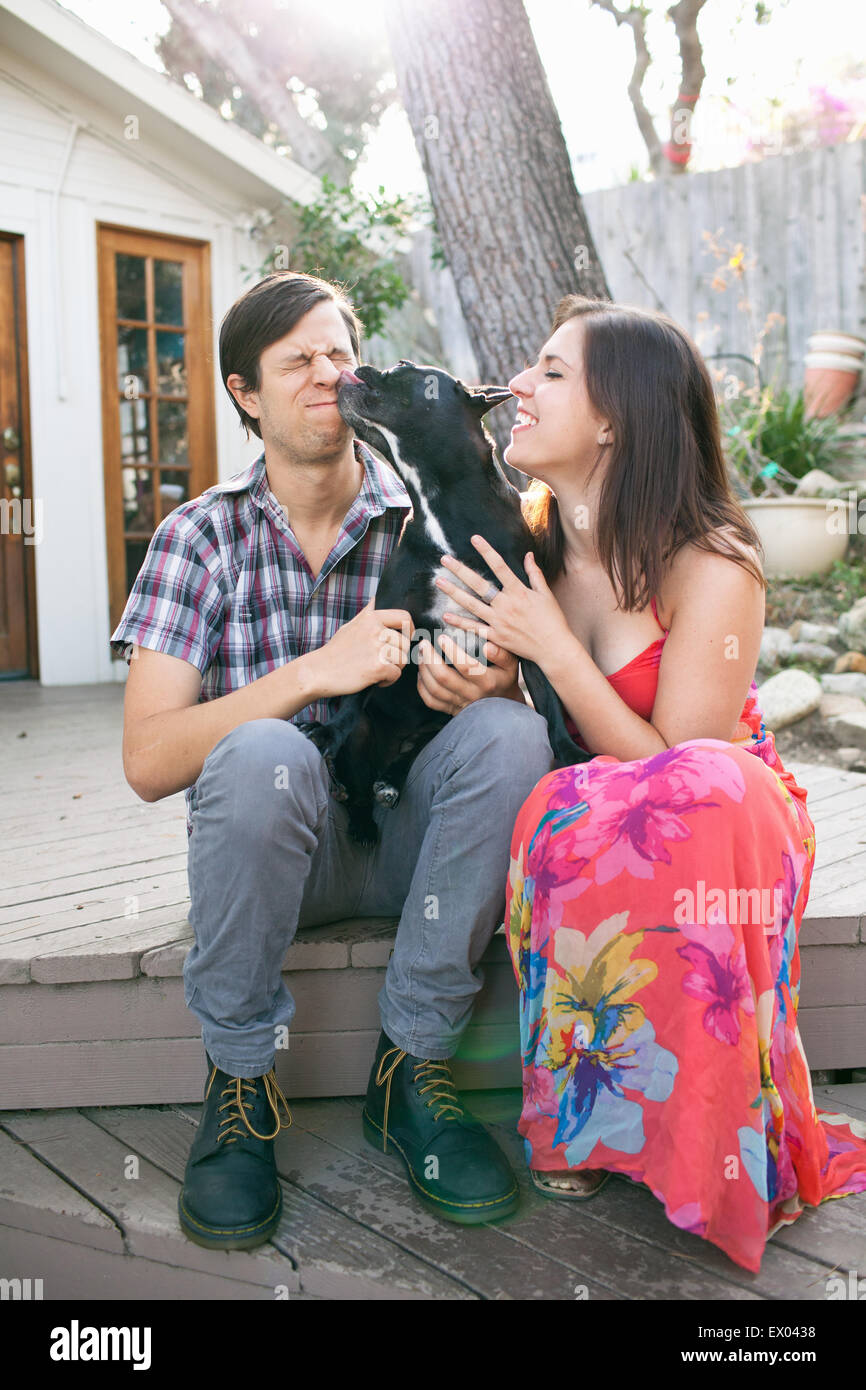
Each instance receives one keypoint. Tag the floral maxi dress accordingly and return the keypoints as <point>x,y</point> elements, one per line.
<point>653,910</point>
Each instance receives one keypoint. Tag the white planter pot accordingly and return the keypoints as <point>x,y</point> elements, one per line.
<point>835,361</point>
<point>800,535</point>
<point>848,343</point>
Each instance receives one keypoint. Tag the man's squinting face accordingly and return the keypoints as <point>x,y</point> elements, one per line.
<point>296,403</point>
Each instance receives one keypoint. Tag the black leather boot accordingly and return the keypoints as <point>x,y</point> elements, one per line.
<point>231,1197</point>
<point>454,1165</point>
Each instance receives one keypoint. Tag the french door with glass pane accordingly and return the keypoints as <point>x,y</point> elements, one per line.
<point>157,389</point>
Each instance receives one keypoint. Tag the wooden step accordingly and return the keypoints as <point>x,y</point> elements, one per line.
<point>94,933</point>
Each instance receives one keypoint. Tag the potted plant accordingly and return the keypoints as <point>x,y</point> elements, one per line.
<point>771,443</point>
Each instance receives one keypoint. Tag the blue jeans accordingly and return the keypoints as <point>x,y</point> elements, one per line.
<point>270,852</point>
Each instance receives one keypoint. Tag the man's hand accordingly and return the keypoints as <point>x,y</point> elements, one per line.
<point>452,688</point>
<point>371,649</point>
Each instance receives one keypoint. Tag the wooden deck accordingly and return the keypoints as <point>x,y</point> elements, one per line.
<point>88,1203</point>
<point>101,1064</point>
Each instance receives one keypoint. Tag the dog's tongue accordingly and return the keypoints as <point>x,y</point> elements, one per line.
<point>346,375</point>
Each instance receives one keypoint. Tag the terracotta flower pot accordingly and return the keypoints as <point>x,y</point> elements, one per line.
<point>831,380</point>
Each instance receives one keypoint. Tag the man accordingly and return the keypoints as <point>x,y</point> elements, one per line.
<point>253,610</point>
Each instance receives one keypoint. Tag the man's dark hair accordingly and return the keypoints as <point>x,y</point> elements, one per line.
<point>266,313</point>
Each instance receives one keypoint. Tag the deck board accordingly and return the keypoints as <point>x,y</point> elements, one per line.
<point>352,1229</point>
<point>334,1255</point>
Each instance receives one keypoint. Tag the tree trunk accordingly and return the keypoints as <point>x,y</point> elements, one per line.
<point>509,217</point>
<point>685,17</point>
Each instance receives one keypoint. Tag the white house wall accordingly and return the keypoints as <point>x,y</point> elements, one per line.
<point>128,183</point>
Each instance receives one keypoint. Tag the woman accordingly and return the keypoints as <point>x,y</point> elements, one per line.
<point>656,891</point>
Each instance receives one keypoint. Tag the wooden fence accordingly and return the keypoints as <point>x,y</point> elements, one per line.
<point>801,221</point>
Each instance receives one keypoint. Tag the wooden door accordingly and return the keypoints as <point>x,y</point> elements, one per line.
<point>21,517</point>
<point>157,389</point>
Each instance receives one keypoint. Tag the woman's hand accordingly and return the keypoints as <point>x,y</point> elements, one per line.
<point>451,688</point>
<point>525,621</point>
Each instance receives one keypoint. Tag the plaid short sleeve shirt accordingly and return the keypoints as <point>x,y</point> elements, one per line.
<point>225,586</point>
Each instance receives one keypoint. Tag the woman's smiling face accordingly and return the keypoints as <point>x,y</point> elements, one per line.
<point>557,427</point>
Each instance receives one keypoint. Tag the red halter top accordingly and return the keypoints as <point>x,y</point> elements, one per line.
<point>636,682</point>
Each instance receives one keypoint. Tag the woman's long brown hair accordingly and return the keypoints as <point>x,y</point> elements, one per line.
<point>666,482</point>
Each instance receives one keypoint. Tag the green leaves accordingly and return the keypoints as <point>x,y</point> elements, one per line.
<point>771,436</point>
<point>351,240</point>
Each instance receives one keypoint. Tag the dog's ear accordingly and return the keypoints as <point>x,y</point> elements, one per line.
<point>484,398</point>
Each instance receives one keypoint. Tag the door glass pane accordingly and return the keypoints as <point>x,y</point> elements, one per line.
<point>131,301</point>
<point>138,500</point>
<point>134,430</point>
<point>173,436</point>
<point>168,291</point>
<point>173,488</point>
<point>135,553</point>
<point>171,368</point>
<point>132,376</point>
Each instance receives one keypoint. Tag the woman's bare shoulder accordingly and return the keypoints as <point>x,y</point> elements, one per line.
<point>695,565</point>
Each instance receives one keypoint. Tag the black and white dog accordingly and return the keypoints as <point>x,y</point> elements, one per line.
<point>428,426</point>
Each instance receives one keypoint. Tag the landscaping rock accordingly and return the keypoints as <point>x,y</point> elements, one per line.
<point>790,696</point>
<point>849,729</point>
<point>815,483</point>
<point>776,643</point>
<point>831,705</point>
<point>852,627</point>
<point>851,759</point>
<point>848,683</point>
<point>800,631</point>
<point>815,652</point>
<point>821,484</point>
<point>850,661</point>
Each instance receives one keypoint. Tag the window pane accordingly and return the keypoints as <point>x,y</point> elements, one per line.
<point>173,488</point>
<point>138,500</point>
<point>131,302</point>
<point>171,368</point>
<point>135,553</point>
<point>132,377</point>
<point>168,291</point>
<point>173,437</point>
<point>134,430</point>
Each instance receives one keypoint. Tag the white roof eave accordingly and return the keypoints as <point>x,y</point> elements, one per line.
<point>51,38</point>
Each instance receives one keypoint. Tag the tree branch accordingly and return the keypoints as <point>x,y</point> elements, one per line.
<point>224,45</point>
<point>635,18</point>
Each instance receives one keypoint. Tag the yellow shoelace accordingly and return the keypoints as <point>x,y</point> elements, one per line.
<point>439,1082</point>
<point>237,1089</point>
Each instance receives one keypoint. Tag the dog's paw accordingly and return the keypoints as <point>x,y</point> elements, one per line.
<point>317,733</point>
<point>338,791</point>
<point>321,737</point>
<point>364,831</point>
<point>385,794</point>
